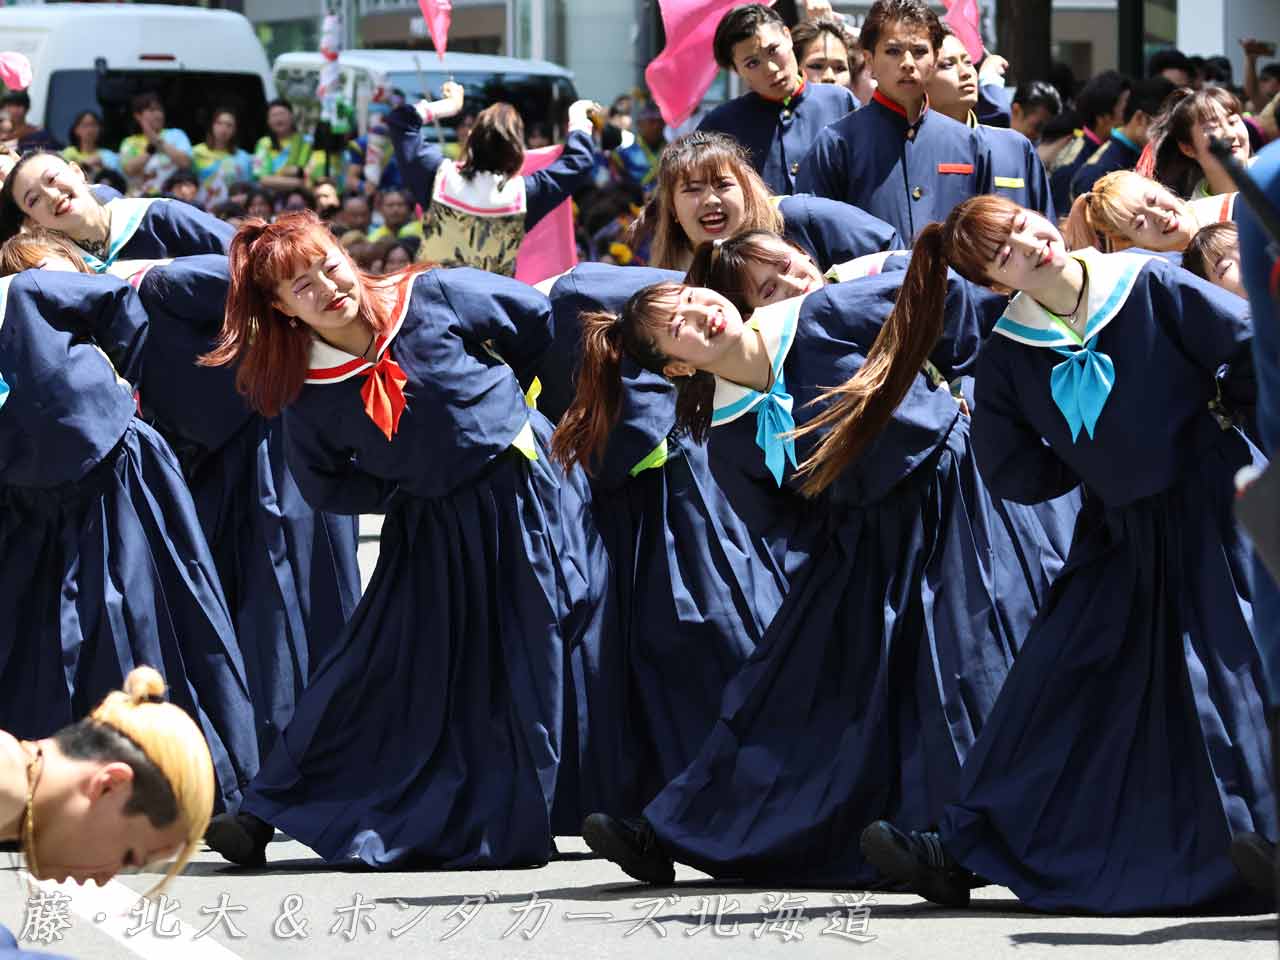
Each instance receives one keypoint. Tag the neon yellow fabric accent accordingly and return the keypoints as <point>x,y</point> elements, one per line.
<point>1012,183</point>
<point>533,393</point>
<point>656,458</point>
<point>525,443</point>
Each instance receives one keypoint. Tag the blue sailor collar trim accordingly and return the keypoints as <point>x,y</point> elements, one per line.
<point>777,326</point>
<point>773,408</point>
<point>1111,278</point>
<point>126,217</point>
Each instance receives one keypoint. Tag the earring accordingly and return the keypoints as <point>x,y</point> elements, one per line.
<point>293,322</point>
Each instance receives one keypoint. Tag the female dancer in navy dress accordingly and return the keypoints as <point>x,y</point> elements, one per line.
<point>434,731</point>
<point>878,670</point>
<point>708,190</point>
<point>44,190</point>
<point>289,572</point>
<point>694,591</point>
<point>1130,741</point>
<point>113,569</point>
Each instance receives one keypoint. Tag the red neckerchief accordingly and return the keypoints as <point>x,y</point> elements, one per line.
<point>383,392</point>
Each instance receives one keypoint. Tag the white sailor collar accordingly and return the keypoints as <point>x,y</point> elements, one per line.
<point>126,216</point>
<point>776,324</point>
<point>1111,278</point>
<point>4,295</point>
<point>331,365</point>
<point>484,195</point>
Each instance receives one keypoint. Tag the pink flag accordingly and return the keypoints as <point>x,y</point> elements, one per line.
<point>680,75</point>
<point>438,14</point>
<point>549,248</point>
<point>15,71</point>
<point>963,17</point>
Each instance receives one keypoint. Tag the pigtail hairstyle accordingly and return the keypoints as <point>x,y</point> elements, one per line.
<point>1078,230</point>
<point>273,351</point>
<point>583,431</point>
<point>859,409</point>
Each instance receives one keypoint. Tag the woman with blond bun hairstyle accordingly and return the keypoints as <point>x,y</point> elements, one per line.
<point>1129,743</point>
<point>129,786</point>
<point>115,569</point>
<point>1125,210</point>
<point>434,732</point>
<point>914,586</point>
<point>708,190</point>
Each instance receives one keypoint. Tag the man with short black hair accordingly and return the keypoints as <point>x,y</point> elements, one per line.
<point>1124,145</point>
<point>1099,109</point>
<point>1174,65</point>
<point>896,158</point>
<point>779,117</point>
<point>398,222</point>
<point>1034,105</point>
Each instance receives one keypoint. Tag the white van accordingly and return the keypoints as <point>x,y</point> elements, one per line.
<point>90,56</point>
<point>540,91</point>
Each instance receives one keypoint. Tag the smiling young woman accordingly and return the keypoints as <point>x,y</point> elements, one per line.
<point>840,710</point>
<point>404,395</point>
<point>1101,373</point>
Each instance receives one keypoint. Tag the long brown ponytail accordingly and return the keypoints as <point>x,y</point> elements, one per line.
<point>860,408</point>
<point>584,429</point>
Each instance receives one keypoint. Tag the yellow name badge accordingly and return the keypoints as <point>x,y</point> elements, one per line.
<point>1010,183</point>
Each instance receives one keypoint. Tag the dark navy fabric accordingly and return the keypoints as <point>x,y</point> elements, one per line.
<point>693,591</point>
<point>908,175</point>
<point>834,232</point>
<point>1067,164</point>
<point>778,136</point>
<point>1113,155</point>
<point>1129,742</point>
<point>289,572</point>
<point>171,228</point>
<point>1258,270</point>
<point>878,670</point>
<point>435,731</point>
<point>582,289</point>
<point>419,159</point>
<point>112,569</point>
<point>1014,158</point>
<point>995,105</point>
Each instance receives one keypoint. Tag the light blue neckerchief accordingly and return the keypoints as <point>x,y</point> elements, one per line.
<point>4,392</point>
<point>126,215</point>
<point>1081,384</point>
<point>773,408</point>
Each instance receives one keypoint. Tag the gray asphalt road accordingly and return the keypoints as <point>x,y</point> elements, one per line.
<point>577,906</point>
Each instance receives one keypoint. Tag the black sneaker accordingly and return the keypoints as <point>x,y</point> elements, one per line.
<point>632,845</point>
<point>916,860</point>
<point>240,838</point>
<point>1255,859</point>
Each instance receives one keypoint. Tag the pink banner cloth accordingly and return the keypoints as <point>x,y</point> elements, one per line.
<point>15,70</point>
<point>549,248</point>
<point>680,75</point>
<point>963,17</point>
<point>438,14</point>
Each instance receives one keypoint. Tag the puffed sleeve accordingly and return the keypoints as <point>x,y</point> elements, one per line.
<point>417,159</point>
<point>647,414</point>
<point>1014,460</point>
<point>184,230</point>
<point>511,318</point>
<point>103,308</point>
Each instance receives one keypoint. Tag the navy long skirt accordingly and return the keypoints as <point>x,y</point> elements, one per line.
<point>433,733</point>
<point>693,593</point>
<point>1130,741</point>
<point>110,573</point>
<point>868,688</point>
<point>289,572</point>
